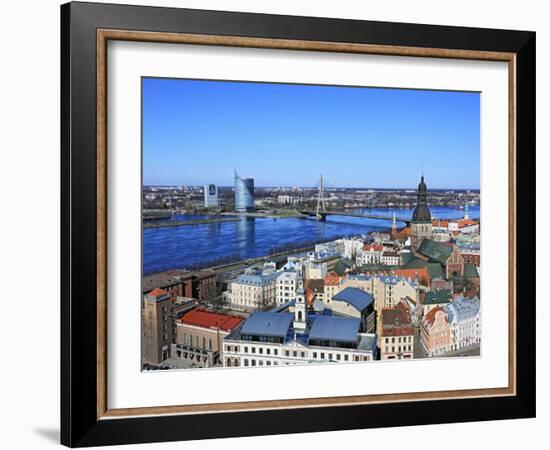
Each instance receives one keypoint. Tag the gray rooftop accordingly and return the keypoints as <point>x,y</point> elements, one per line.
<point>329,328</point>
<point>462,309</point>
<point>256,279</point>
<point>267,323</point>
<point>356,297</point>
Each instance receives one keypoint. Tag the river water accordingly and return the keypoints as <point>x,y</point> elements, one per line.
<point>192,245</point>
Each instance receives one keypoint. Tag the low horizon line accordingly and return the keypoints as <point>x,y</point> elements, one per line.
<point>314,188</point>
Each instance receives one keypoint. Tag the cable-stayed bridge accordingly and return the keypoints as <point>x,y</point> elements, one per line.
<point>321,212</point>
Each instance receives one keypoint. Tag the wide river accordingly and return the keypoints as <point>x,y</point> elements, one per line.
<point>191,245</point>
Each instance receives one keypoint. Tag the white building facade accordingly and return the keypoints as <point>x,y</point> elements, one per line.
<point>465,320</point>
<point>287,283</point>
<point>211,196</point>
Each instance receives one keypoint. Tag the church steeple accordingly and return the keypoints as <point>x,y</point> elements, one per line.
<point>422,212</point>
<point>421,223</point>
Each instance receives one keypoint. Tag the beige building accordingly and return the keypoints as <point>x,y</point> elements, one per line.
<point>157,326</point>
<point>435,332</point>
<point>387,290</point>
<point>254,290</point>
<point>332,286</point>
<point>199,337</point>
<point>319,264</point>
<point>390,258</point>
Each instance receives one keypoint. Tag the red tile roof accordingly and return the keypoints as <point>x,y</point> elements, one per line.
<point>375,247</point>
<point>310,296</point>
<point>157,292</point>
<point>207,319</point>
<point>440,223</point>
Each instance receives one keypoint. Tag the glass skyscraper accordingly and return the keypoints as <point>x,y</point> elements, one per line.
<point>244,194</point>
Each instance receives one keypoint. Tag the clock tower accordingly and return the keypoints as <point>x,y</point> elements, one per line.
<point>300,317</point>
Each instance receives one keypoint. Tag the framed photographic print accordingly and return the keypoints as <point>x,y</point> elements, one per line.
<point>277,224</point>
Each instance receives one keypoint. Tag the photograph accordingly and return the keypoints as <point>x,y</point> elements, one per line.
<point>287,224</point>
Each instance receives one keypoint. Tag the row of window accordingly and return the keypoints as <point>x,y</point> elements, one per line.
<point>259,362</point>
<point>297,353</point>
<point>404,348</point>
<point>399,339</point>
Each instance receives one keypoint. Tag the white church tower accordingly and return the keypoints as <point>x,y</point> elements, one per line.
<point>300,315</point>
<point>466,212</point>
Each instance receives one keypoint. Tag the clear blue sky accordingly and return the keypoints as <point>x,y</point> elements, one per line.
<point>196,132</point>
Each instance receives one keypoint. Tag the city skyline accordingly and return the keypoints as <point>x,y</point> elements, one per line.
<point>231,186</point>
<point>286,135</point>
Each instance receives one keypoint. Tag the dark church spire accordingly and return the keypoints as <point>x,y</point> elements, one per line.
<point>422,212</point>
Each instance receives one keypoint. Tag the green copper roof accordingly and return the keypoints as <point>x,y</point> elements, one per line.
<point>470,271</point>
<point>439,297</point>
<point>375,268</point>
<point>406,257</point>
<point>415,263</point>
<point>343,265</point>
<point>435,270</point>
<point>436,251</point>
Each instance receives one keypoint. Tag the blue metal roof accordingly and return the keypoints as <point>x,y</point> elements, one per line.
<point>356,297</point>
<point>267,323</point>
<point>330,328</point>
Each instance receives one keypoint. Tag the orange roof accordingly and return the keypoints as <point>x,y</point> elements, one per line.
<point>207,319</point>
<point>430,317</point>
<point>157,292</point>
<point>440,223</point>
<point>420,273</point>
<point>466,222</point>
<point>402,234</point>
<point>332,279</point>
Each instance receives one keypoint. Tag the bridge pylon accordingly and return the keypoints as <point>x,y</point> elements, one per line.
<point>321,205</point>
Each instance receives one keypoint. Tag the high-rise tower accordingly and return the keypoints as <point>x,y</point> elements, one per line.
<point>211,196</point>
<point>244,194</point>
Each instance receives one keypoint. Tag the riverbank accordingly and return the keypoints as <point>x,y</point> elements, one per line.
<point>165,248</point>
<point>268,215</point>
<point>181,223</point>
